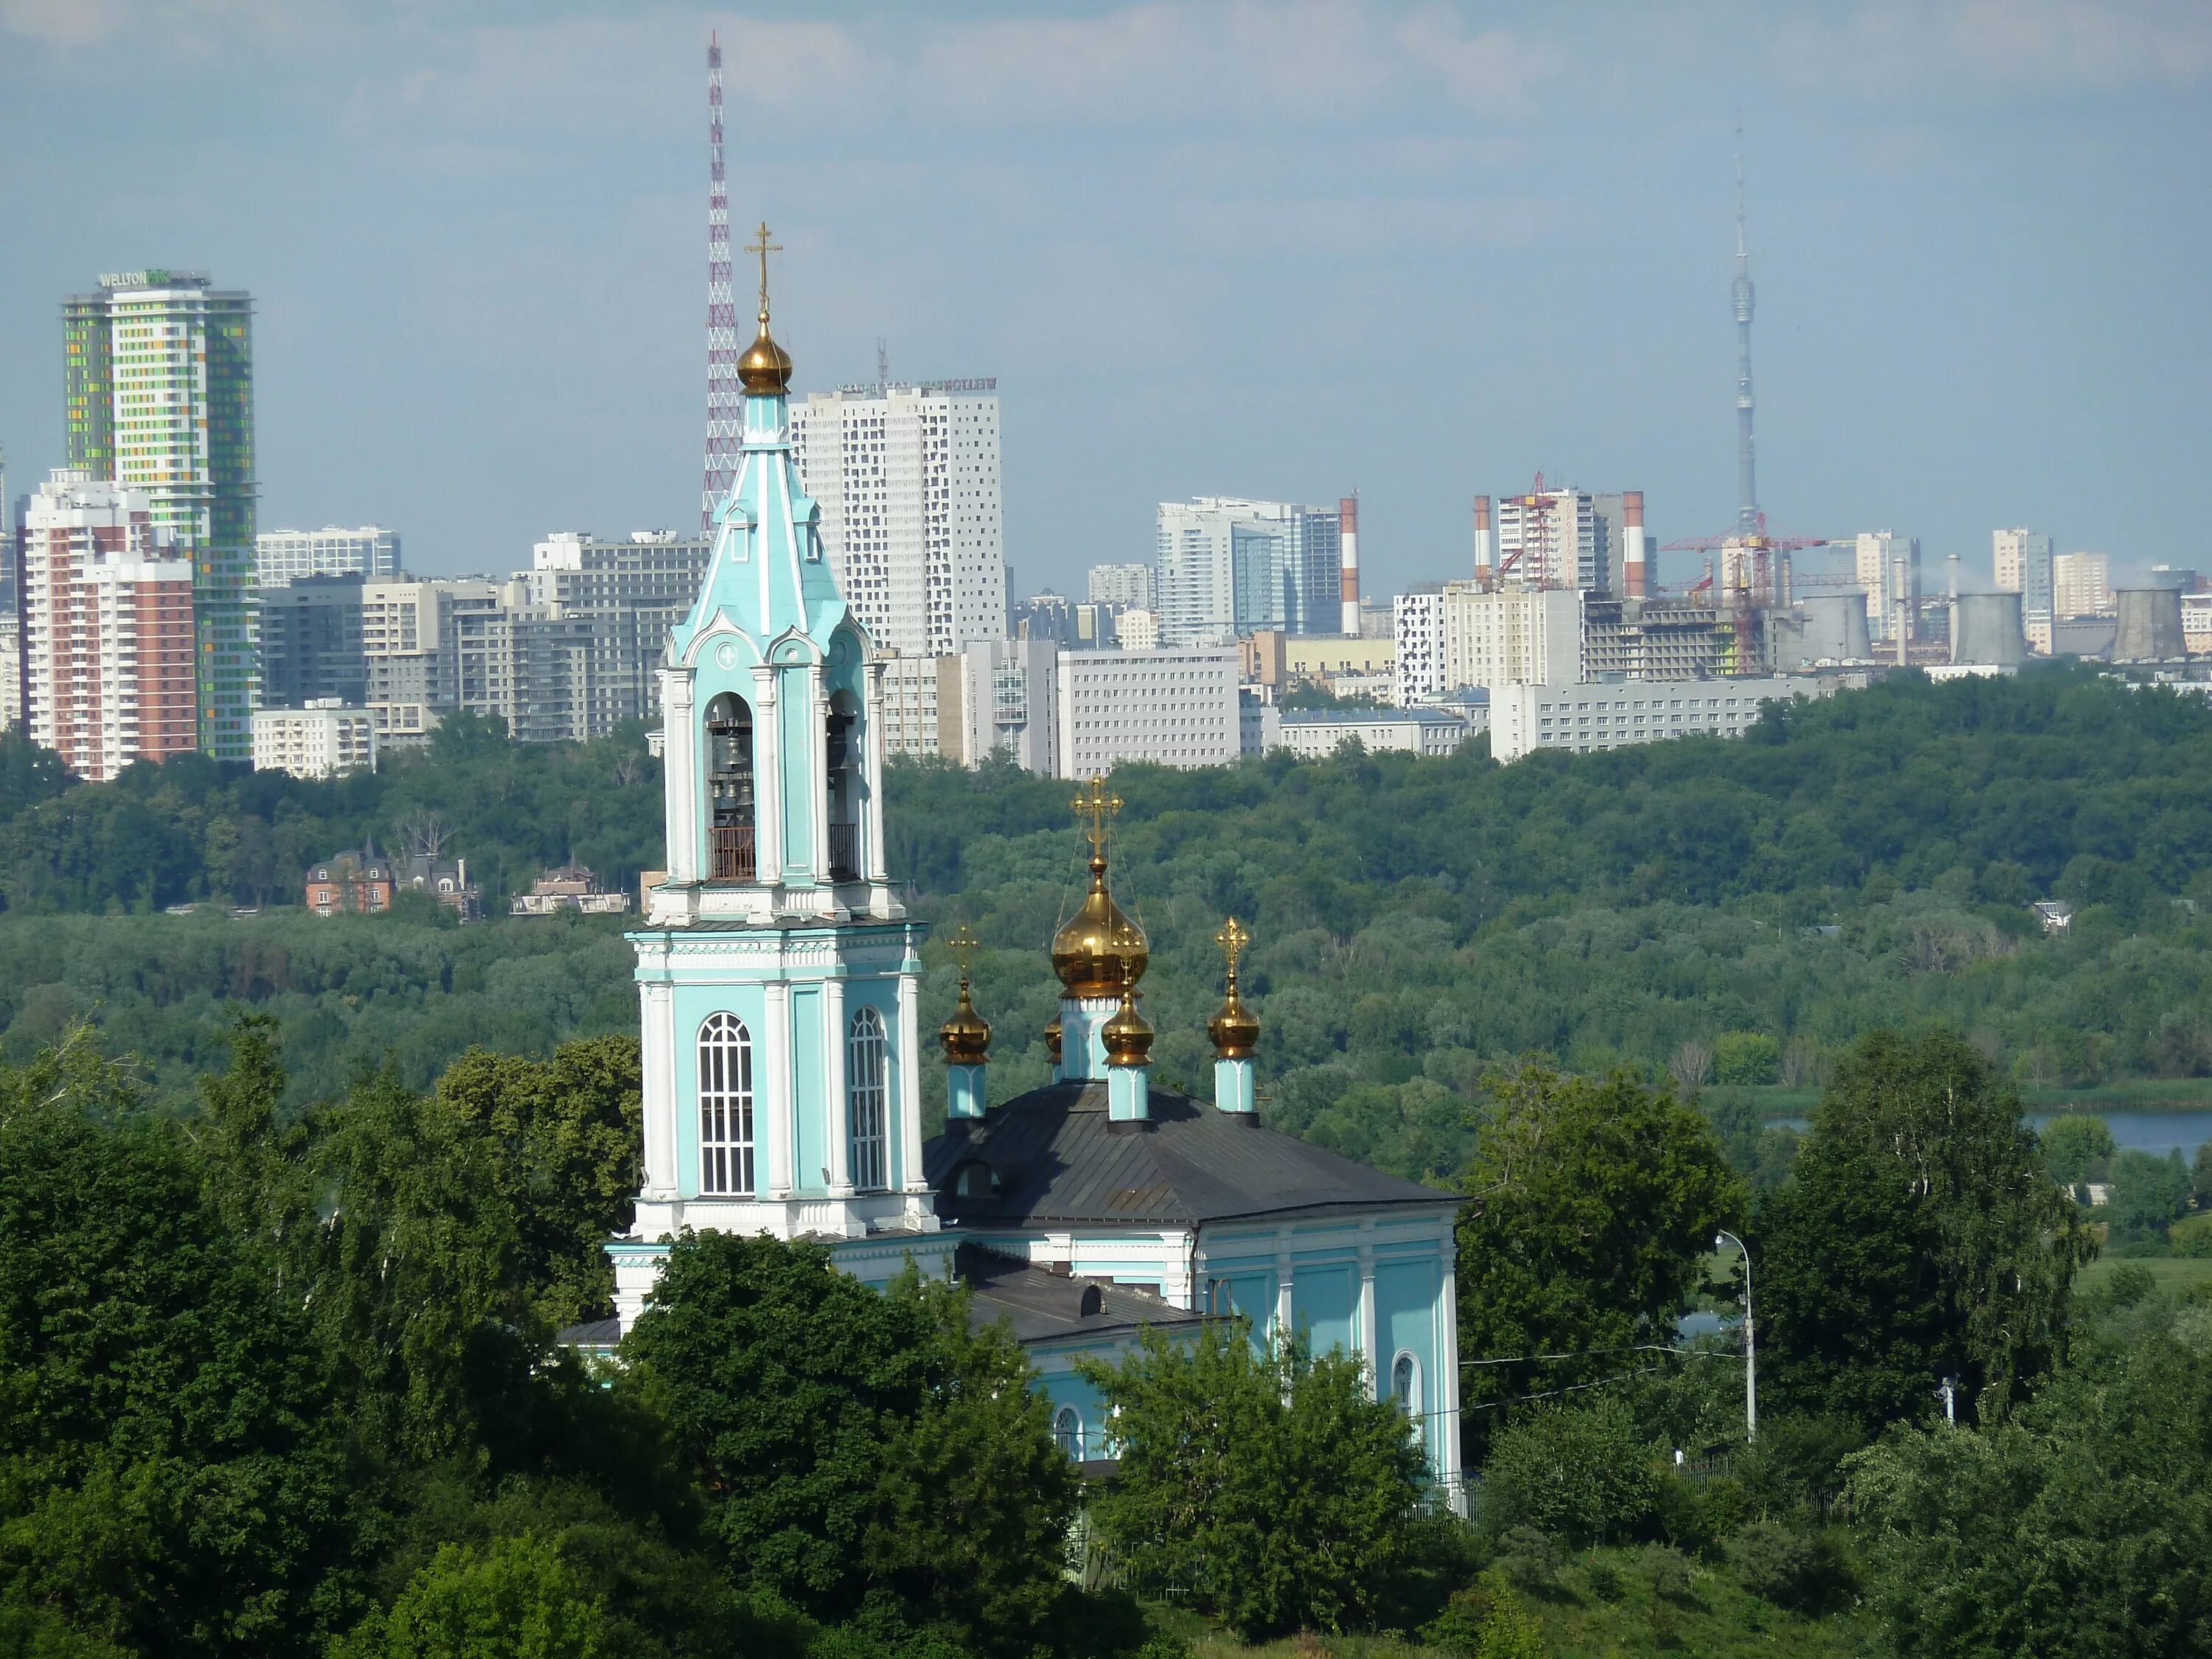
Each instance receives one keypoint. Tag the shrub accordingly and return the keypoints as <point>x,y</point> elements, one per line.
<point>1604,1578</point>
<point>1458,1628</point>
<point>1530,1557</point>
<point>1579,1471</point>
<point>1800,1570</point>
<point>2192,1236</point>
<point>1668,1570</point>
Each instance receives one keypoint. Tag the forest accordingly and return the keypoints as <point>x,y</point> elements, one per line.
<point>1728,913</point>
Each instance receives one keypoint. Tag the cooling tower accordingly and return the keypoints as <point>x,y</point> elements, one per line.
<point>1836,628</point>
<point>2150,625</point>
<point>1986,629</point>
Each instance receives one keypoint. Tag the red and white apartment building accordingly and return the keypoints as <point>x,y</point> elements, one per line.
<point>108,637</point>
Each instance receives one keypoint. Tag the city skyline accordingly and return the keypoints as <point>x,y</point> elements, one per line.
<point>1520,231</point>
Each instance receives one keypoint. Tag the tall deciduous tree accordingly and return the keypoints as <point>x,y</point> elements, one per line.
<point>859,1447</point>
<point>1919,1238</point>
<point>172,1479</point>
<point>1268,1484</point>
<point>1592,1205</point>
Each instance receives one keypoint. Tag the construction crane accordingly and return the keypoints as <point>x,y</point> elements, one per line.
<point>1749,577</point>
<point>1536,510</point>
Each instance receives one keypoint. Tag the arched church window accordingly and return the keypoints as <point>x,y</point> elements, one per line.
<point>726,1106</point>
<point>866,1081</point>
<point>1067,1430</point>
<point>1406,1387</point>
<point>730,789</point>
<point>844,769</point>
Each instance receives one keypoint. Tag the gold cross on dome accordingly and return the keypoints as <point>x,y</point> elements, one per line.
<point>763,247</point>
<point>964,945</point>
<point>1232,939</point>
<point>1099,804</point>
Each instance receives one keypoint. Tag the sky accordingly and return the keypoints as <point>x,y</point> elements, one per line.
<point>1289,250</point>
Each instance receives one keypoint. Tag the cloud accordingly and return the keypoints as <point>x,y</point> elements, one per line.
<point>2019,46</point>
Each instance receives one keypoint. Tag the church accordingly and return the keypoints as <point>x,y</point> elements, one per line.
<point>778,981</point>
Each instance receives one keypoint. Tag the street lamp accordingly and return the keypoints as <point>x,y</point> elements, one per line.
<point>1750,1352</point>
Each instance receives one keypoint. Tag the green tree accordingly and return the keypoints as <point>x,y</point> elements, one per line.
<point>1741,1058</point>
<point>1269,1484</point>
<point>2149,1193</point>
<point>171,1481</point>
<point>2081,1526</point>
<point>515,1599</point>
<point>2076,1148</point>
<point>860,1448</point>
<point>1582,1472</point>
<point>1918,1237</point>
<point>564,1135</point>
<point>1593,1203</point>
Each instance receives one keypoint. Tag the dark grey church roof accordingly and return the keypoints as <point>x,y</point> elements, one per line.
<point>1042,1305</point>
<point>1050,1157</point>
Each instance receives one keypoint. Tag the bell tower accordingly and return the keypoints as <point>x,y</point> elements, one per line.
<point>777,971</point>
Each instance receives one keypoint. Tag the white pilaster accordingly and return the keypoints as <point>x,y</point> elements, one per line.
<point>906,1059</point>
<point>767,779</point>
<point>1370,1339</point>
<point>877,866</point>
<point>1285,1310</point>
<point>779,1108</point>
<point>841,1097</point>
<point>660,1106</point>
<point>1442,1394</point>
<point>680,772</point>
<point>817,754</point>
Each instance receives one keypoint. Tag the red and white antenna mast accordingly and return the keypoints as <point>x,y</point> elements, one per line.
<point>725,402</point>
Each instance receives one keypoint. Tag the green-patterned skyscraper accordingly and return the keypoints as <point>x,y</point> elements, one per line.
<point>159,370</point>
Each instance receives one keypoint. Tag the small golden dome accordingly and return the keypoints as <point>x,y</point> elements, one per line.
<point>1128,1035</point>
<point>765,369</point>
<point>967,1035</point>
<point>1235,1028</point>
<point>1099,951</point>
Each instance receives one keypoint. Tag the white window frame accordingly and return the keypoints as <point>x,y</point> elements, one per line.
<point>726,1107</point>
<point>867,1092</point>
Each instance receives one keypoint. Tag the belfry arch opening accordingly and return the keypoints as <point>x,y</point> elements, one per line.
<point>730,832</point>
<point>843,751</point>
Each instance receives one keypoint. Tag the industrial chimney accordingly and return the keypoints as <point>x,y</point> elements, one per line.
<point>1633,578</point>
<point>1482,542</point>
<point>1347,527</point>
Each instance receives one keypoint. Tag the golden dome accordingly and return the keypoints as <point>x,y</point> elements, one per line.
<point>1128,1035</point>
<point>967,1035</point>
<point>765,369</point>
<point>1099,951</point>
<point>1235,1028</point>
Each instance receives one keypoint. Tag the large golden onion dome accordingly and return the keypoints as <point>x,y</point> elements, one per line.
<point>1235,1030</point>
<point>1098,951</point>
<point>1128,1035</point>
<point>967,1035</point>
<point>765,368</point>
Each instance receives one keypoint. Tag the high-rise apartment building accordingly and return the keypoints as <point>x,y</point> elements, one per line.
<point>1173,708</point>
<point>158,371</point>
<point>1889,572</point>
<point>290,555</point>
<point>1417,627</point>
<point>1566,539</point>
<point>108,636</point>
<point>2022,566</point>
<point>907,479</point>
<point>1225,568</point>
<point>603,610</point>
<point>2081,585</point>
<point>321,740</point>
<point>1518,634</point>
<point>1129,585</point>
<point>311,642</point>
